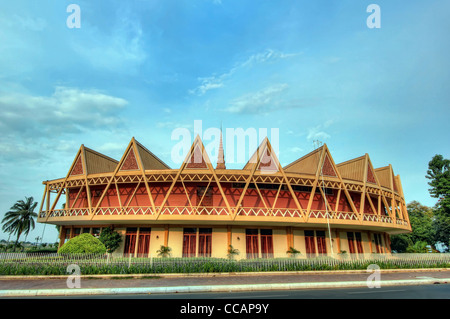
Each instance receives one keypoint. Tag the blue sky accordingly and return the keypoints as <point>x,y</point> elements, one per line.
<point>312,69</point>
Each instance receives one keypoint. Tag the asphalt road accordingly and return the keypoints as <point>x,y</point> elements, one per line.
<point>437,291</point>
<point>393,301</point>
<point>394,292</point>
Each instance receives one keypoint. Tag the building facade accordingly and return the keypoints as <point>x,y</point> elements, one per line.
<point>263,210</point>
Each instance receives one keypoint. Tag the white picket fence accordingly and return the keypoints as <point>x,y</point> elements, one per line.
<point>196,264</point>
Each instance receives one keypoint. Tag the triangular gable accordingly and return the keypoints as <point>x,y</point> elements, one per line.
<point>267,162</point>
<point>130,162</point>
<point>264,158</point>
<point>307,164</point>
<point>327,167</point>
<point>370,174</point>
<point>197,157</point>
<point>77,168</point>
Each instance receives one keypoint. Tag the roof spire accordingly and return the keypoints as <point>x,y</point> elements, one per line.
<point>220,156</point>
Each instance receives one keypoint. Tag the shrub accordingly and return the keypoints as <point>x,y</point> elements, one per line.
<point>83,244</point>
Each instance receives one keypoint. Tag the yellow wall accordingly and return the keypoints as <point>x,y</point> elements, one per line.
<point>156,243</point>
<point>176,241</point>
<point>238,241</point>
<point>219,243</point>
<point>279,242</point>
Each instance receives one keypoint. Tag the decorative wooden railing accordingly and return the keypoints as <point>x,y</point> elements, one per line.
<point>209,213</point>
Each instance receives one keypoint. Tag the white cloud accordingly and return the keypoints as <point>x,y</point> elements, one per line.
<point>67,110</point>
<point>258,102</point>
<point>33,127</point>
<point>318,132</point>
<point>209,83</point>
<point>295,149</point>
<point>217,81</point>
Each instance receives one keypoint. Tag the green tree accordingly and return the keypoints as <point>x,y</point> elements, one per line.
<point>421,219</point>
<point>400,242</point>
<point>439,175</point>
<point>20,219</point>
<point>111,239</point>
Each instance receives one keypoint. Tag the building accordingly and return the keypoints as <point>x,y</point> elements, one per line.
<point>262,210</point>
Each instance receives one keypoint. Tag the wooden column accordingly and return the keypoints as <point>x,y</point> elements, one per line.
<point>289,237</point>
<point>370,241</point>
<point>62,235</point>
<point>166,235</point>
<point>338,241</point>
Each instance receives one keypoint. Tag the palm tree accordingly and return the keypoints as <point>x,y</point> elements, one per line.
<point>164,251</point>
<point>20,219</point>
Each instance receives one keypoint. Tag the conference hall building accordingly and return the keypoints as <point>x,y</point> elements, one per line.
<point>313,205</point>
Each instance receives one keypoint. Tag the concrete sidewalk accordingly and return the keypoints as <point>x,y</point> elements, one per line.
<point>24,286</point>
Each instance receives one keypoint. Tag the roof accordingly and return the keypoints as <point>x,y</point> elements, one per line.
<point>319,161</point>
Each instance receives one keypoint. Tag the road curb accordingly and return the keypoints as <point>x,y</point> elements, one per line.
<point>211,288</point>
<point>190,275</point>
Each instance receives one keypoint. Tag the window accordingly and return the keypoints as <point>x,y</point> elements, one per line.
<point>252,245</point>
<point>378,242</point>
<point>359,243</point>
<point>144,241</point>
<point>310,243</point>
<point>76,232</point>
<point>67,235</point>
<point>86,230</point>
<point>204,242</point>
<point>354,243</point>
<point>321,243</point>
<point>351,243</point>
<point>311,238</point>
<point>266,243</point>
<point>130,241</point>
<point>189,242</point>
<point>254,238</point>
